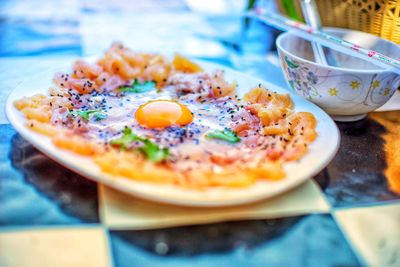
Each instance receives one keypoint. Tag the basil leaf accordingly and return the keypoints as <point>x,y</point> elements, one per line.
<point>85,114</point>
<point>138,87</point>
<point>126,138</point>
<point>100,116</point>
<point>226,135</point>
<point>153,152</point>
<point>149,149</point>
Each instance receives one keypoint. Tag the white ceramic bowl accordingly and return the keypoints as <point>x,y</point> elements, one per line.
<point>347,92</point>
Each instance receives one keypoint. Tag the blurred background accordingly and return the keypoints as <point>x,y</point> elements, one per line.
<point>207,29</point>
<point>60,30</point>
<point>203,29</point>
<point>36,35</point>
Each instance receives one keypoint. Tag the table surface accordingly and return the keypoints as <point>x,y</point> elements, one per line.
<point>48,214</point>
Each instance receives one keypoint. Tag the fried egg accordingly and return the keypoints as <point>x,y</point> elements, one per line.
<point>162,114</point>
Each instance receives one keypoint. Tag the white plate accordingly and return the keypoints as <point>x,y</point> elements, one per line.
<point>321,152</point>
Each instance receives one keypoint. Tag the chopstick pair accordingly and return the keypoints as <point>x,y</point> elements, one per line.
<point>320,37</point>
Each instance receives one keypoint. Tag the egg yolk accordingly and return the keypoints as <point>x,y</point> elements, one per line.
<point>163,113</point>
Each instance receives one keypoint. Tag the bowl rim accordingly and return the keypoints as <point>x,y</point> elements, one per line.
<point>333,29</point>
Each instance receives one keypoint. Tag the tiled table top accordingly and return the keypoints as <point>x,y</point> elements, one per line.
<point>50,216</point>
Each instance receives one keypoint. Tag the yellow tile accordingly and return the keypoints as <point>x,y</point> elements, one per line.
<point>374,232</point>
<point>121,211</point>
<point>61,247</point>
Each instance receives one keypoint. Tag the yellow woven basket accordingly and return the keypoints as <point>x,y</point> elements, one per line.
<point>379,17</point>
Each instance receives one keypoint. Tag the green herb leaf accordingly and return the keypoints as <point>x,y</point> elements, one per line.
<point>99,116</point>
<point>85,114</point>
<point>138,87</point>
<point>226,135</point>
<point>151,150</point>
<point>126,138</point>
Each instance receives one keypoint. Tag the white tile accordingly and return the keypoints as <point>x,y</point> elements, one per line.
<point>121,211</point>
<point>61,247</point>
<point>169,33</point>
<point>374,232</point>
<point>40,9</point>
<point>132,7</point>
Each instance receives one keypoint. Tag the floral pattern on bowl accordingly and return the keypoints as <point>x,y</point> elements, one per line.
<point>345,93</point>
<point>312,84</point>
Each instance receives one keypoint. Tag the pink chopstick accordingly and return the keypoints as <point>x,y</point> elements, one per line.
<point>310,34</point>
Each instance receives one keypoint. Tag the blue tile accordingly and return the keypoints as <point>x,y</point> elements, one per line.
<point>313,240</point>
<point>35,190</point>
<point>39,37</point>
